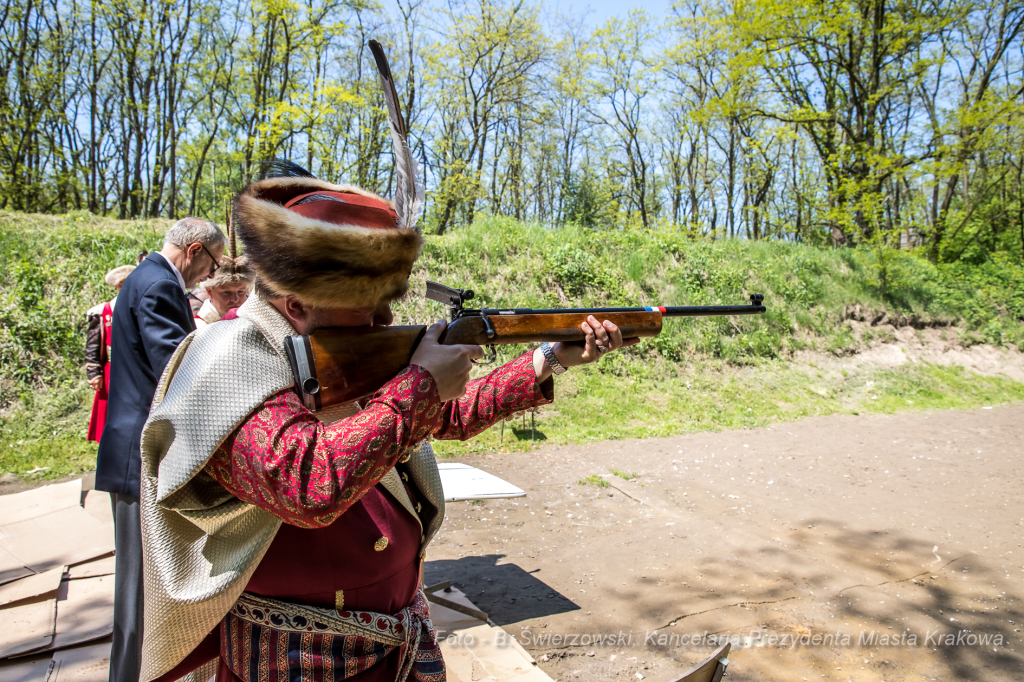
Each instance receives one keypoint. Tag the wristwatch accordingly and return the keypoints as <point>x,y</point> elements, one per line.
<point>549,353</point>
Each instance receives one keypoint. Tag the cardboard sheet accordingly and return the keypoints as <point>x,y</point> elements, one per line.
<point>85,611</point>
<point>28,669</point>
<point>40,501</point>
<point>11,567</point>
<point>32,586</point>
<point>82,664</point>
<point>60,538</point>
<point>27,627</point>
<point>463,482</point>
<point>91,569</point>
<point>97,503</point>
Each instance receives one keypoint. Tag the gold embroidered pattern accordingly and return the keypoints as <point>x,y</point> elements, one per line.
<point>381,544</point>
<point>339,600</point>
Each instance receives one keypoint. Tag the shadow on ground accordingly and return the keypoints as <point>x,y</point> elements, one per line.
<point>504,591</point>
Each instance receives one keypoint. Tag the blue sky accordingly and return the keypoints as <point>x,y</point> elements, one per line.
<point>599,11</point>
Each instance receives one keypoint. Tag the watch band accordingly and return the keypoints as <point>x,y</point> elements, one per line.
<point>549,354</point>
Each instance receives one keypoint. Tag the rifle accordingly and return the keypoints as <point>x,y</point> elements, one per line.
<point>338,364</point>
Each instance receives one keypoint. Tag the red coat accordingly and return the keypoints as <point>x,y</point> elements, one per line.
<point>98,418</point>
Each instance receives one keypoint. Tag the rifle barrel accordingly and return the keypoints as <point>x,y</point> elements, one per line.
<point>666,311</point>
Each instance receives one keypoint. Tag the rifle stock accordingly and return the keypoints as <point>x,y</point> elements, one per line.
<point>336,365</point>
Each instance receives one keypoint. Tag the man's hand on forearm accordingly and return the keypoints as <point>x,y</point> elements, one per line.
<point>600,338</point>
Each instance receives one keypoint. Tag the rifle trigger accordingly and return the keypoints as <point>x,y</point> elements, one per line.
<point>490,361</point>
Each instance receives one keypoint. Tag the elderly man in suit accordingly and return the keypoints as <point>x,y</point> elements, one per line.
<point>151,318</point>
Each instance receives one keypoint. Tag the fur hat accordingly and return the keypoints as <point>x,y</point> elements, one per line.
<point>118,275</point>
<point>335,246</point>
<point>331,246</point>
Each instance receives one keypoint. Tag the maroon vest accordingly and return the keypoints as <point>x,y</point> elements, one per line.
<point>310,566</point>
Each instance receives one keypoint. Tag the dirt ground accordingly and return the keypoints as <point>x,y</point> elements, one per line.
<point>897,540</point>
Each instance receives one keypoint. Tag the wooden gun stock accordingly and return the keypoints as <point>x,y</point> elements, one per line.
<point>336,365</point>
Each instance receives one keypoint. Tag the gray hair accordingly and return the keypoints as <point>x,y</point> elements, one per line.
<point>190,230</point>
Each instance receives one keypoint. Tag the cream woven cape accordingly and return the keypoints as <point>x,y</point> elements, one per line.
<point>200,543</point>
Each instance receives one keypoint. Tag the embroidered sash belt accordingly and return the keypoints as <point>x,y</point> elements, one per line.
<point>269,640</point>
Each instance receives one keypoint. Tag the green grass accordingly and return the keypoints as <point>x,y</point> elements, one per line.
<point>711,395</point>
<point>625,475</point>
<point>699,374</point>
<point>595,480</point>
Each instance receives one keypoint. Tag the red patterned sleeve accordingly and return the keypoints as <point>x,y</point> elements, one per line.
<point>283,460</point>
<point>505,391</point>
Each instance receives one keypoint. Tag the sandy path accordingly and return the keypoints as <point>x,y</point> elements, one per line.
<point>821,527</point>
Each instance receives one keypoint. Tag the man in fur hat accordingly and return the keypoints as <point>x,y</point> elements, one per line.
<point>286,545</point>
<point>97,351</point>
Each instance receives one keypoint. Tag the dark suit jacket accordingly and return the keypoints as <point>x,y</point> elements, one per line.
<point>151,318</point>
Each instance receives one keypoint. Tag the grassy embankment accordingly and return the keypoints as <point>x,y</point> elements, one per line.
<point>699,374</point>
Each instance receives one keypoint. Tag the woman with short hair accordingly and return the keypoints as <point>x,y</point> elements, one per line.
<point>228,288</point>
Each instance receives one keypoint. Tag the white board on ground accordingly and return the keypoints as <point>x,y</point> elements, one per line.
<point>40,501</point>
<point>447,621</point>
<point>463,482</point>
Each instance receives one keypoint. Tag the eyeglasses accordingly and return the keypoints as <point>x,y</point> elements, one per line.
<point>216,265</point>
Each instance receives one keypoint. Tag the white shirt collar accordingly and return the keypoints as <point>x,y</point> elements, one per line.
<point>181,280</point>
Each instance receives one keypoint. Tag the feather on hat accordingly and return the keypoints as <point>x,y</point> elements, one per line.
<point>232,267</point>
<point>335,246</point>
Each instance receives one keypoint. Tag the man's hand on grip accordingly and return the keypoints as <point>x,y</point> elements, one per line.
<point>449,365</point>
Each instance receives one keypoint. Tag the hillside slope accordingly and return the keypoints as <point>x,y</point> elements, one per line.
<point>699,374</point>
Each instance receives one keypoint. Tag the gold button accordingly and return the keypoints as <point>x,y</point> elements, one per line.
<point>381,544</point>
<point>406,457</point>
<point>405,477</point>
<point>419,507</point>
